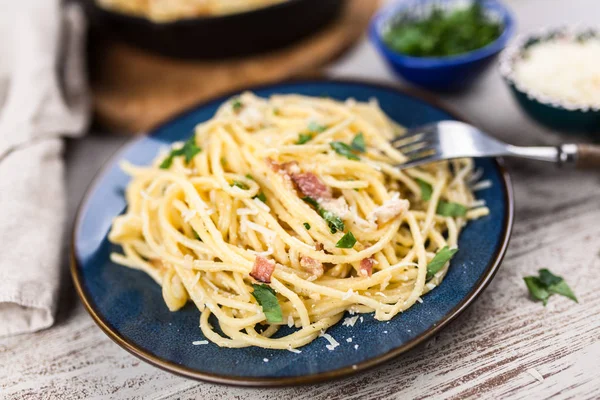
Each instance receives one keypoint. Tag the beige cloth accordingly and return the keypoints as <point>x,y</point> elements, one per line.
<point>45,99</point>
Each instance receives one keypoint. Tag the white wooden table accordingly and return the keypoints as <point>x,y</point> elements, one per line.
<point>504,346</point>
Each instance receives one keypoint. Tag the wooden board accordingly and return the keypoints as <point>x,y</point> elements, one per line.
<point>135,90</point>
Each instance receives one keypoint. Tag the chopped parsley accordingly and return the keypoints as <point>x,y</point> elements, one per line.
<point>250,177</point>
<point>196,235</point>
<point>267,298</point>
<point>188,150</point>
<point>236,104</point>
<point>240,184</point>
<point>438,262</point>
<point>306,225</point>
<point>449,209</point>
<point>304,137</point>
<point>347,241</point>
<point>261,196</point>
<point>335,223</point>
<point>546,284</point>
<point>358,143</point>
<point>344,150</point>
<point>426,189</point>
<point>442,33</point>
<point>315,127</point>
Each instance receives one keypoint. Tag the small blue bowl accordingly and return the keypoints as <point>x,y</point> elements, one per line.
<point>439,73</point>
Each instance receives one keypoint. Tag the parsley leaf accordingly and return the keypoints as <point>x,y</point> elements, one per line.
<point>438,262</point>
<point>426,189</point>
<point>335,223</point>
<point>537,289</point>
<point>266,297</point>
<point>449,209</point>
<point>563,289</point>
<point>236,104</point>
<point>304,137</point>
<point>240,184</point>
<point>316,128</point>
<point>344,150</point>
<point>546,284</point>
<point>311,201</point>
<point>196,235</point>
<point>261,196</point>
<point>306,225</point>
<point>189,150</point>
<point>347,241</point>
<point>358,143</point>
<point>548,278</point>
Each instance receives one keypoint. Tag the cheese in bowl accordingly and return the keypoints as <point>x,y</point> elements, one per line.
<point>563,69</point>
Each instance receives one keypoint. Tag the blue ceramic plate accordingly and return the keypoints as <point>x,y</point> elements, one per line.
<point>129,307</point>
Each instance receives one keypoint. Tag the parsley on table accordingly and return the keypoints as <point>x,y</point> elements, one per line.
<point>426,189</point>
<point>188,150</point>
<point>344,150</point>
<point>438,262</point>
<point>267,298</point>
<point>450,209</point>
<point>358,143</point>
<point>347,241</point>
<point>546,284</point>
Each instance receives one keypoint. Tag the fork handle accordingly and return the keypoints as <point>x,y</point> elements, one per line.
<point>582,156</point>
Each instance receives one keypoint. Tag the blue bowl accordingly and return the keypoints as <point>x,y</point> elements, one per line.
<point>439,73</point>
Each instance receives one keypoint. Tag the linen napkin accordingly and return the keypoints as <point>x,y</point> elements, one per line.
<point>44,100</point>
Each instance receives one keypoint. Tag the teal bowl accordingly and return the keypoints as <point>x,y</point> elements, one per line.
<point>555,114</point>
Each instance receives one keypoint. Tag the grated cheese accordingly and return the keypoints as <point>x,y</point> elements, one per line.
<point>563,70</point>
<point>350,321</point>
<point>533,372</point>
<point>332,342</point>
<point>199,342</point>
<point>481,185</point>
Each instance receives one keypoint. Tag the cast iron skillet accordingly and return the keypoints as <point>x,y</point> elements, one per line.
<point>231,35</point>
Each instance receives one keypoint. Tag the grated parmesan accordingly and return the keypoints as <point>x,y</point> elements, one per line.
<point>199,342</point>
<point>348,294</point>
<point>332,342</point>
<point>533,372</point>
<point>563,70</point>
<point>350,321</point>
<point>481,185</point>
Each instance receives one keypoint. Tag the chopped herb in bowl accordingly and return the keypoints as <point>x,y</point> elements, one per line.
<point>442,32</point>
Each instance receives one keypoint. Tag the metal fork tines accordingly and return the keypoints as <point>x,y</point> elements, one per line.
<point>446,140</point>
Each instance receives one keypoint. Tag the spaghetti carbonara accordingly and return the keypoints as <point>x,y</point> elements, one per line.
<point>171,10</point>
<point>289,211</point>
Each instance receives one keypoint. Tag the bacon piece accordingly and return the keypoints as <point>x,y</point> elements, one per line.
<point>319,246</point>
<point>310,185</point>
<point>366,266</point>
<point>312,266</point>
<point>392,208</point>
<point>262,269</point>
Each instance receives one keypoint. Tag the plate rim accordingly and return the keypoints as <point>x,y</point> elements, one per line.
<point>186,372</point>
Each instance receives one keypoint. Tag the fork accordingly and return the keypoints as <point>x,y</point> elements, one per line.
<point>446,140</point>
